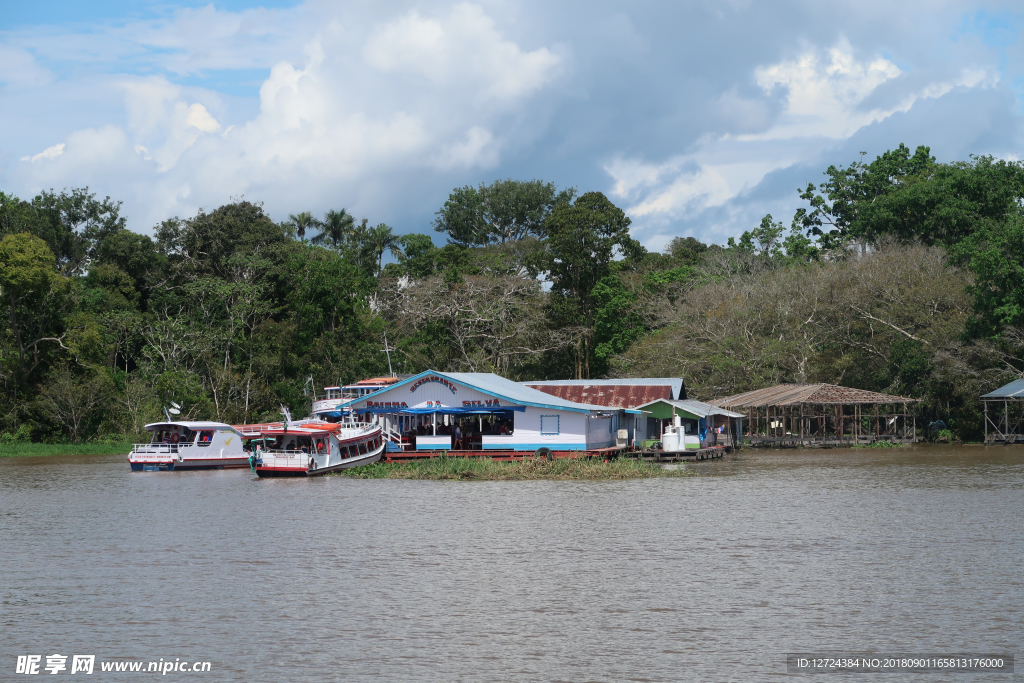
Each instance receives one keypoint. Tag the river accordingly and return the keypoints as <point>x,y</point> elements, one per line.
<point>710,578</point>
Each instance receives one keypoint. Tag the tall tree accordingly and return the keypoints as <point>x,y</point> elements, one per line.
<point>33,290</point>
<point>301,223</point>
<point>336,227</point>
<point>582,239</point>
<point>381,238</point>
<point>504,211</point>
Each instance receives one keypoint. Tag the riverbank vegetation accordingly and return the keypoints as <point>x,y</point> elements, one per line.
<point>485,469</point>
<point>899,275</point>
<point>17,450</point>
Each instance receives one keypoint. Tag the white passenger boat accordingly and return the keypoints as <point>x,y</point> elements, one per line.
<point>310,447</point>
<point>189,446</point>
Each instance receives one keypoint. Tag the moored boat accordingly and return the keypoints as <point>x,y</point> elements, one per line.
<point>189,446</point>
<point>313,447</point>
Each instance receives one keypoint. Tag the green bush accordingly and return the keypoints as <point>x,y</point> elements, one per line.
<point>21,435</point>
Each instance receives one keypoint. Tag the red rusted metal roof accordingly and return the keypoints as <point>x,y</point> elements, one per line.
<point>608,395</point>
<point>796,394</point>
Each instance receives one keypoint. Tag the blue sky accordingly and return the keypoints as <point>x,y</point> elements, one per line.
<point>696,117</point>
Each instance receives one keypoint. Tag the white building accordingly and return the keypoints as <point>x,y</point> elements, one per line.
<point>491,413</point>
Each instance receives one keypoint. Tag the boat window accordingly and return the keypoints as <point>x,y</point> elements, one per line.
<point>362,447</point>
<point>205,438</point>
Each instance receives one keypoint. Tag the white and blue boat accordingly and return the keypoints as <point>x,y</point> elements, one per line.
<point>190,446</point>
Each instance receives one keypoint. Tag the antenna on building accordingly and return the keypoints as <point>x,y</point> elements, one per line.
<point>388,351</point>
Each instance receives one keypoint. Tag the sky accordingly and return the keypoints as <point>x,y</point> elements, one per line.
<point>697,118</point>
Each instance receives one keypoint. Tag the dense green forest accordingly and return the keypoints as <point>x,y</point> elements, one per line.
<point>901,275</point>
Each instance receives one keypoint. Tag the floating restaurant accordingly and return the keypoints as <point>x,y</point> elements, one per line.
<point>474,413</point>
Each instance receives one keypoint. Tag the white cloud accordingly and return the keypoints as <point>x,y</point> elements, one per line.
<point>419,92</point>
<point>18,67</point>
<point>689,114</point>
<point>465,47</point>
<point>48,153</point>
<point>825,99</point>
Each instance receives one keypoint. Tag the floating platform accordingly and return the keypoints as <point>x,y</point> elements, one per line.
<point>689,454</point>
<point>396,456</point>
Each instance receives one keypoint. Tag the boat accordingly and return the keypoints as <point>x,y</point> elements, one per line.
<point>328,408</point>
<point>305,448</point>
<point>189,446</point>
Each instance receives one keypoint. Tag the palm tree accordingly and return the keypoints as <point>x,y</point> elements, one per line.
<point>302,222</point>
<point>382,239</point>
<point>335,228</point>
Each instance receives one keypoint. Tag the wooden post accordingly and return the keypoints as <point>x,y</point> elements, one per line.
<point>985,403</point>
<point>839,423</point>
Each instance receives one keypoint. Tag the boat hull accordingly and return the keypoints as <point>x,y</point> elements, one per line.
<point>174,465</point>
<point>285,471</point>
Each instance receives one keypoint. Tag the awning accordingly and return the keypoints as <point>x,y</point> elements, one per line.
<point>474,410</point>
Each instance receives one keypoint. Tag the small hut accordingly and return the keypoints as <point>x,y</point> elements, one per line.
<point>1004,418</point>
<point>822,415</point>
<point>709,425</point>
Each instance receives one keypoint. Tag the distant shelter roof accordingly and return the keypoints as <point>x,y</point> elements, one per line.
<point>613,393</point>
<point>816,394</point>
<point>1014,389</point>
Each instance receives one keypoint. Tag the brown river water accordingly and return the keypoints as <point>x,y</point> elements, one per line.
<point>710,578</point>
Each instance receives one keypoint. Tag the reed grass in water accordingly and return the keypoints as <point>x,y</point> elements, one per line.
<point>485,469</point>
<point>16,450</point>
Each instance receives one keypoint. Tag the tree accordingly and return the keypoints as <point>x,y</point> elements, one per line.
<point>72,222</point>
<point>504,211</point>
<point>335,228</point>
<point>837,205</point>
<point>73,403</point>
<point>582,239</point>
<point>33,288</point>
<point>379,239</point>
<point>301,223</point>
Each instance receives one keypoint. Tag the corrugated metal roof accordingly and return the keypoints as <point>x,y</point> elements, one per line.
<point>698,408</point>
<point>497,386</point>
<point>610,395</point>
<point>1014,389</point>
<point>676,384</point>
<point>796,394</point>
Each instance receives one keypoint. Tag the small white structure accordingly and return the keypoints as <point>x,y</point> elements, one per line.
<point>688,424</point>
<point>470,411</point>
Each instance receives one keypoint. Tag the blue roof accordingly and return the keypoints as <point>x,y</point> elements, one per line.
<point>497,386</point>
<point>1014,389</point>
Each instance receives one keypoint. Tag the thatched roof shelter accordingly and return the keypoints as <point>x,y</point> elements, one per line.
<point>810,394</point>
<point>809,414</point>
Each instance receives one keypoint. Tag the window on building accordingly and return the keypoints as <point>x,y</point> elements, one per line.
<point>549,425</point>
